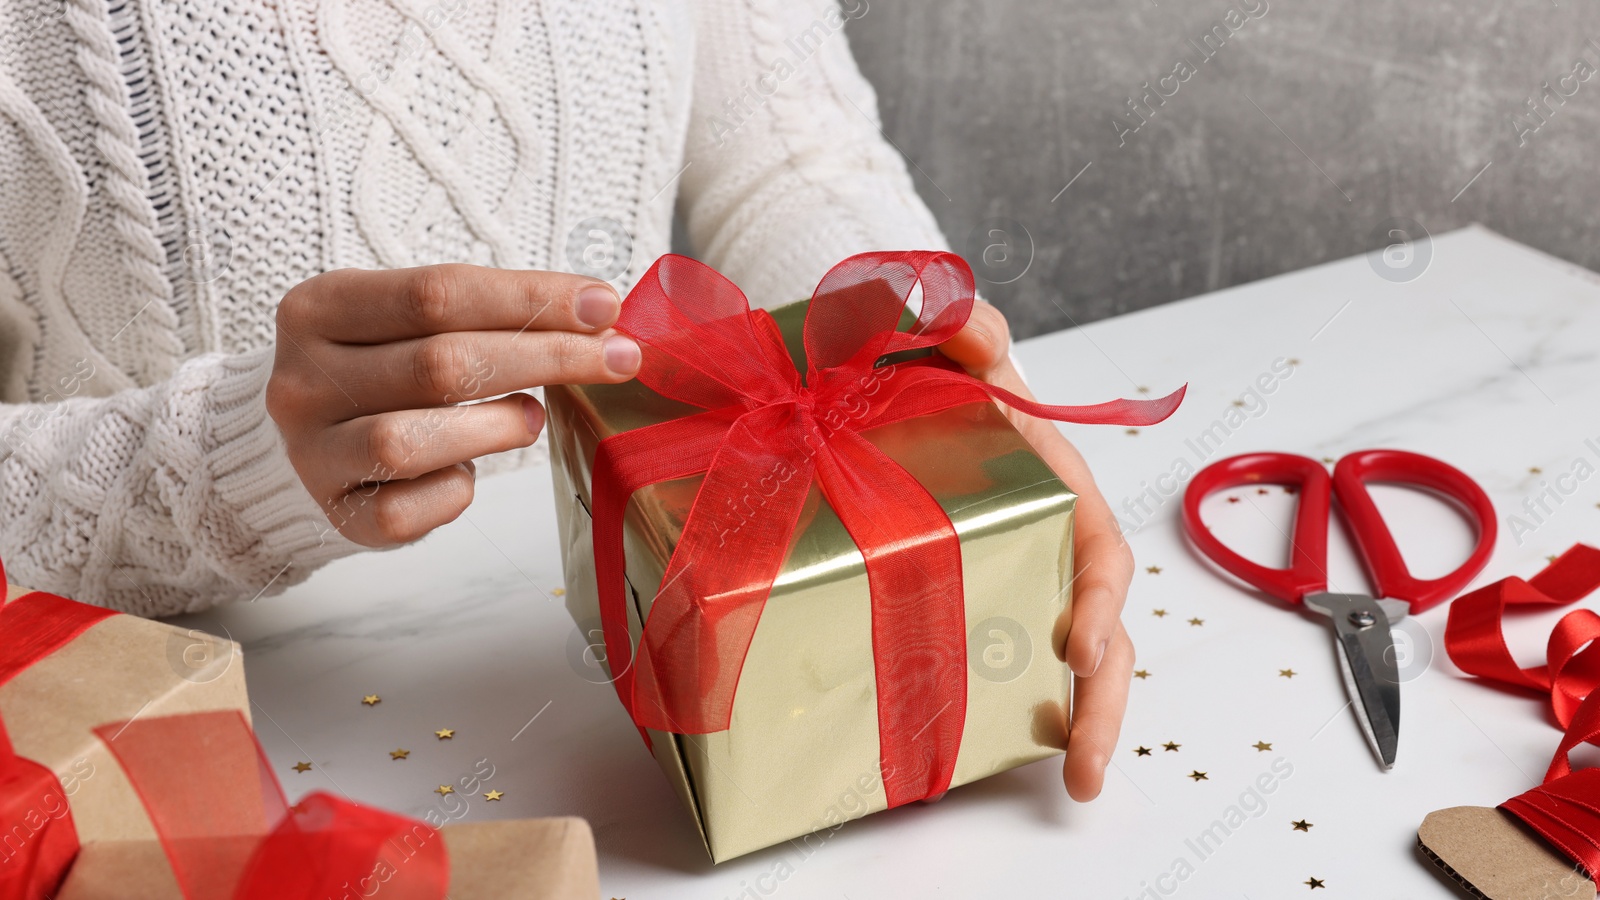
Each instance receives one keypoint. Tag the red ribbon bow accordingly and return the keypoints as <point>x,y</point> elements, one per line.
<point>766,435</point>
<point>219,811</point>
<point>1565,809</point>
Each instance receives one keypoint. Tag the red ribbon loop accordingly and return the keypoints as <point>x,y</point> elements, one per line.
<point>767,435</point>
<point>1565,809</point>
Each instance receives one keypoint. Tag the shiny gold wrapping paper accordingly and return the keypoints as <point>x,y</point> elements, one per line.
<point>801,755</point>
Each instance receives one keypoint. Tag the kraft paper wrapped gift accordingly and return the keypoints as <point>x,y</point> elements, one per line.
<point>524,859</point>
<point>120,668</point>
<point>802,753</point>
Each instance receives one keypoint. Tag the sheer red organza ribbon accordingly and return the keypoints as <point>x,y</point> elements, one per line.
<point>37,839</point>
<point>231,835</point>
<point>219,811</point>
<point>1565,809</point>
<point>765,437</point>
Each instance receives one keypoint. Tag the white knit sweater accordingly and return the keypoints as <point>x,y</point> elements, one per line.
<point>171,167</point>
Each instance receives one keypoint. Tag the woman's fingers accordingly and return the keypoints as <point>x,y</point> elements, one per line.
<point>398,512</point>
<point>410,443</point>
<point>468,365</point>
<point>358,306</point>
<point>1099,703</point>
<point>983,344</point>
<point>1102,571</point>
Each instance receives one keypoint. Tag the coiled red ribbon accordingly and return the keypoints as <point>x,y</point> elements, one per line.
<point>1565,809</point>
<point>765,437</point>
<point>220,813</point>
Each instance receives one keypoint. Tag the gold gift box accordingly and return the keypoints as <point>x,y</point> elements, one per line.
<point>801,755</point>
<point>120,668</point>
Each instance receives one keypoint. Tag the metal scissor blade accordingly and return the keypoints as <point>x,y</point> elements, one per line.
<point>1367,662</point>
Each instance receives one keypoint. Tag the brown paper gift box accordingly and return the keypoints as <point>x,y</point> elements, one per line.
<point>802,753</point>
<point>521,859</point>
<point>121,667</point>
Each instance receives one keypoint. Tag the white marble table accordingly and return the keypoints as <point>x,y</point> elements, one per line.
<point>1488,359</point>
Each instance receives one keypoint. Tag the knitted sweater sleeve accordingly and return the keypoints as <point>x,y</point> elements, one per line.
<point>157,500</point>
<point>786,169</point>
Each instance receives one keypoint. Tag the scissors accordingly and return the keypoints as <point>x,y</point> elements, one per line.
<point>1360,622</point>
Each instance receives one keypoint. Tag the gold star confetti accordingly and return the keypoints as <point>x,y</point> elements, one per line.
<point>1143,390</point>
<point>302,767</point>
<point>1132,431</point>
<point>371,700</point>
<point>1141,751</point>
<point>1301,825</point>
<point>1141,674</point>
<point>1286,673</point>
<point>1294,362</point>
<point>1197,621</point>
<point>1315,883</point>
<point>1198,775</point>
<point>1534,470</point>
<point>558,592</point>
<point>1153,570</point>
<point>1329,460</point>
<point>494,795</point>
<point>1159,613</point>
<point>1238,403</point>
<point>1170,747</point>
<point>443,789</point>
<point>1263,746</point>
<point>1551,558</point>
<point>445,734</point>
<point>399,754</point>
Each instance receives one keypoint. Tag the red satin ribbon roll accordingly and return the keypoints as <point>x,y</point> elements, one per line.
<point>1565,809</point>
<point>766,436</point>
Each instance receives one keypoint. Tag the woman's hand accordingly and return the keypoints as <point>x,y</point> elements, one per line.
<point>1098,649</point>
<point>373,368</point>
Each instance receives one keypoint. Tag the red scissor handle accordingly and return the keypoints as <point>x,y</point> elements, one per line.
<point>1307,572</point>
<point>1378,550</point>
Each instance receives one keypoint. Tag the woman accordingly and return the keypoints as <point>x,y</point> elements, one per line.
<point>251,250</point>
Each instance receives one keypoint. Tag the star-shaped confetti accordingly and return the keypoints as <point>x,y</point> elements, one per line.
<point>1263,746</point>
<point>1198,775</point>
<point>445,734</point>
<point>1153,570</point>
<point>1294,362</point>
<point>1142,751</point>
<point>1301,825</point>
<point>1197,621</point>
<point>1238,403</point>
<point>1290,489</point>
<point>1233,499</point>
<point>1141,674</point>
<point>1170,747</point>
<point>1315,883</point>
<point>1551,558</point>
<point>371,700</point>
<point>1329,460</point>
<point>1132,431</point>
<point>1159,613</point>
<point>1261,490</point>
<point>443,789</point>
<point>399,754</point>
<point>493,795</point>
<point>1534,470</point>
<point>1286,673</point>
<point>1143,390</point>
<point>302,767</point>
<point>558,592</point>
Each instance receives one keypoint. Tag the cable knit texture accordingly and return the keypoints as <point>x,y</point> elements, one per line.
<point>173,167</point>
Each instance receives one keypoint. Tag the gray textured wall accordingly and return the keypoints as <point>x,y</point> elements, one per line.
<point>1292,144</point>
